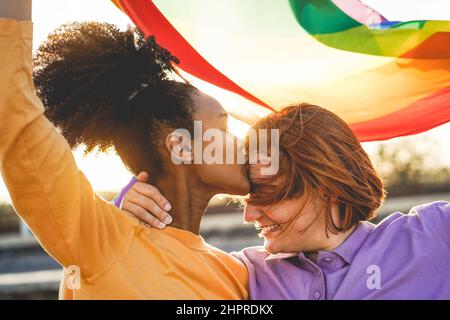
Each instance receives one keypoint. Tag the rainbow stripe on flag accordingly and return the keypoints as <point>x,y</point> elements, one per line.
<point>385,78</point>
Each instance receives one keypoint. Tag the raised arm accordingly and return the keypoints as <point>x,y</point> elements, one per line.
<point>48,191</point>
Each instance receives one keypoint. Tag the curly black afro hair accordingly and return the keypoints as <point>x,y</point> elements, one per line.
<point>103,87</point>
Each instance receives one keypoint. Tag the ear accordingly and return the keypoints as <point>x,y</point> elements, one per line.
<point>178,144</point>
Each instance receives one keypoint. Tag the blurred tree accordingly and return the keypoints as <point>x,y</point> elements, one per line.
<point>411,166</point>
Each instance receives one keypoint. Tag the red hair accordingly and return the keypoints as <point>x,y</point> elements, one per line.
<point>320,156</point>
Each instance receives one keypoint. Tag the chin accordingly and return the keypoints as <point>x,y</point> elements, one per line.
<point>242,183</point>
<point>244,190</point>
<point>245,187</point>
<point>271,247</point>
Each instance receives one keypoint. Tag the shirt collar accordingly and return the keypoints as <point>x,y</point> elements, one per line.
<point>278,256</point>
<point>346,250</point>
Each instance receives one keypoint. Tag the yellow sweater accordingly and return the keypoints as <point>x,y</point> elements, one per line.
<point>116,256</point>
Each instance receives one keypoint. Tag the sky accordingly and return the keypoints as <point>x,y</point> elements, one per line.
<point>106,171</point>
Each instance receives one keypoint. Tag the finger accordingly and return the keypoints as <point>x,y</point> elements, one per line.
<point>143,176</point>
<point>145,224</point>
<point>153,193</point>
<point>150,206</point>
<point>143,215</point>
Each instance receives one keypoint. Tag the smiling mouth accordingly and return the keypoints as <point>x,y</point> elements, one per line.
<point>268,228</point>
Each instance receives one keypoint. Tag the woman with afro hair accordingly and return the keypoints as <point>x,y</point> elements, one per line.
<point>102,87</point>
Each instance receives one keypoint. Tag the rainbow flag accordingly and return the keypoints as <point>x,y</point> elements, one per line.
<point>385,78</point>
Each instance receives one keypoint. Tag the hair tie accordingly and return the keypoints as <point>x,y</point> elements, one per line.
<point>135,93</point>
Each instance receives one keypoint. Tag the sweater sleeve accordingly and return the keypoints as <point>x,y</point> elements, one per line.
<point>72,223</point>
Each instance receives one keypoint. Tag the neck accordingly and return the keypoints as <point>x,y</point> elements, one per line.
<point>321,241</point>
<point>328,243</point>
<point>189,200</point>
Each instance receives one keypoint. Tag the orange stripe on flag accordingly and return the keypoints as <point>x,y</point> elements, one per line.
<point>418,117</point>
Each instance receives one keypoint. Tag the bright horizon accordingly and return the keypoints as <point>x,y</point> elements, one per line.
<point>106,171</point>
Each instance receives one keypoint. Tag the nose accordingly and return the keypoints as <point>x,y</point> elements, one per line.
<point>252,213</point>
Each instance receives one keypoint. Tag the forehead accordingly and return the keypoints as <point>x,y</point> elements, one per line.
<point>207,108</point>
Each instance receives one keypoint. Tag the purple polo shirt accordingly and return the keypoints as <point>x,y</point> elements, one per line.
<point>406,256</point>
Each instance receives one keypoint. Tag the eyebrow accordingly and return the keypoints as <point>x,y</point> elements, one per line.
<point>223,115</point>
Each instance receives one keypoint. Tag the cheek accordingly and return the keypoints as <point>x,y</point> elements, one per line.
<point>211,173</point>
<point>288,241</point>
<point>228,178</point>
<point>225,172</point>
<point>281,214</point>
